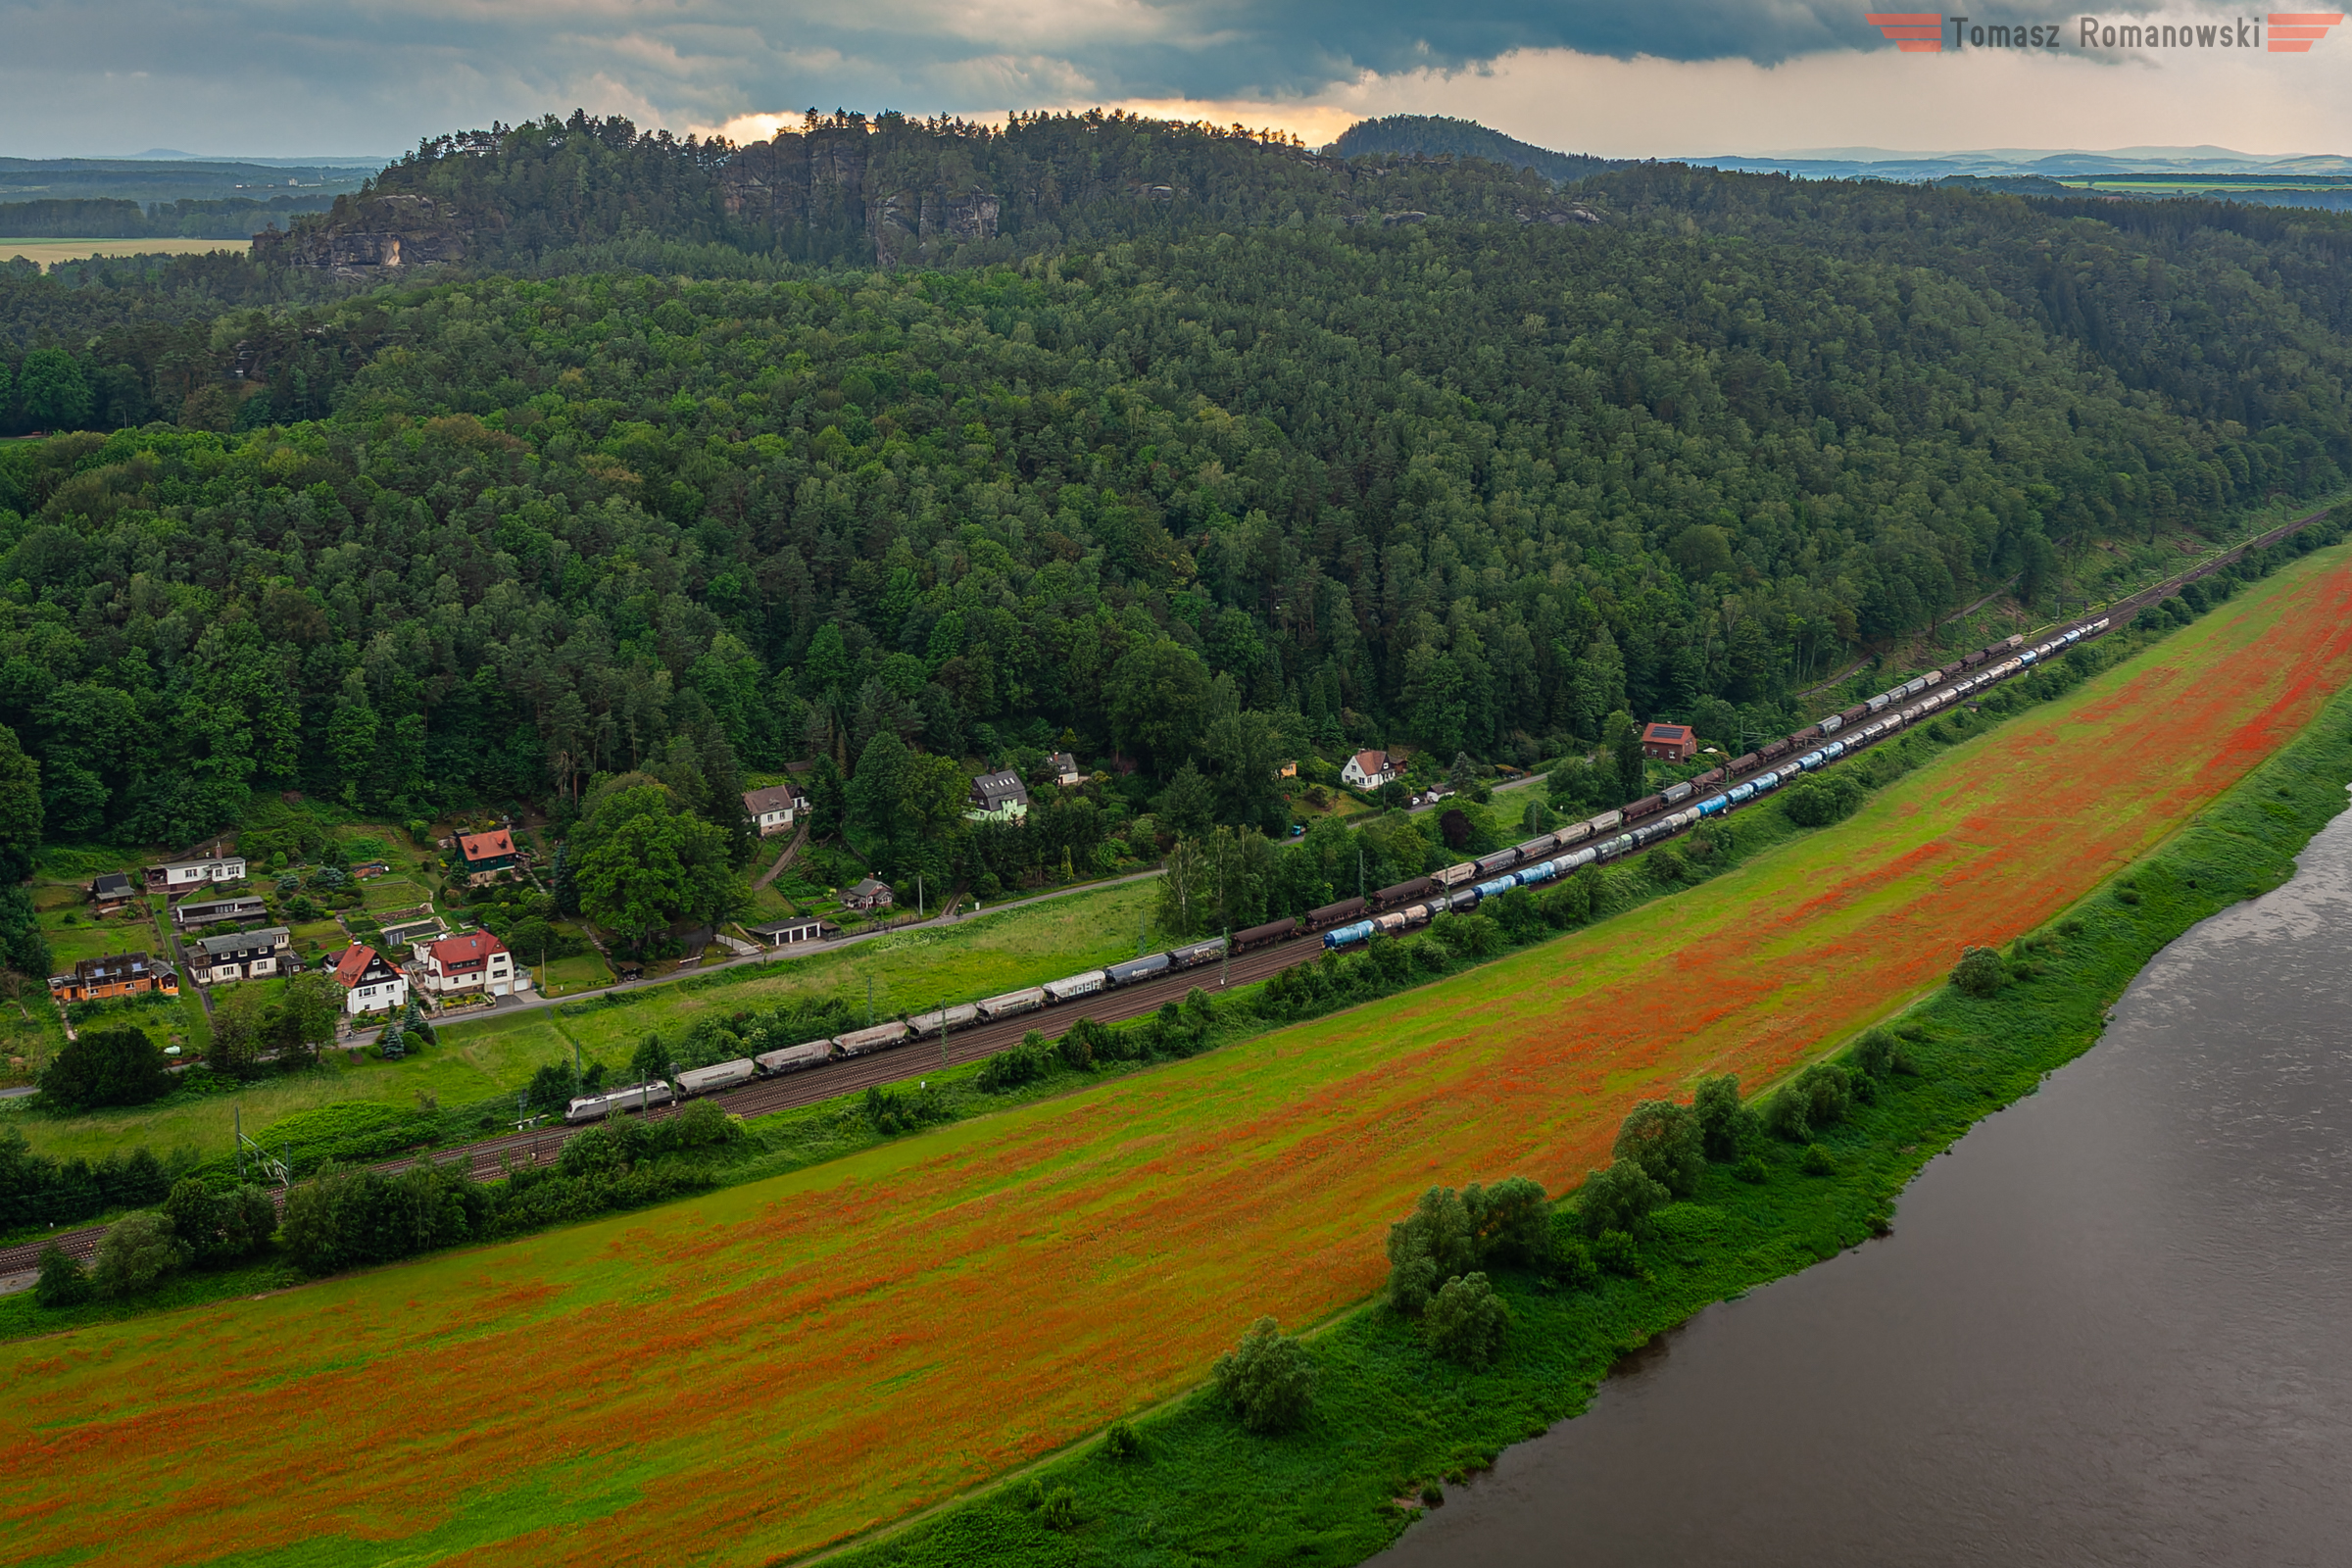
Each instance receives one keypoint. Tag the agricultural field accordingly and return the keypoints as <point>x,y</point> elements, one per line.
<point>49,252</point>
<point>780,1364</point>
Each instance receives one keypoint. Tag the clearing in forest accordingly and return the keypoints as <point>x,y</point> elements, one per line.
<point>779,1364</point>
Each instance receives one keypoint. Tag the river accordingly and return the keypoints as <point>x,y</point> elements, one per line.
<point>2113,1325</point>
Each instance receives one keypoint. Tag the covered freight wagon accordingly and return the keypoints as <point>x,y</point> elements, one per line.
<point>1404,893</point>
<point>791,1058</point>
<point>1257,936</point>
<point>725,1075</point>
<point>1332,914</point>
<point>1012,1003</point>
<point>1071,988</point>
<point>946,1018</point>
<point>1134,969</point>
<point>1198,953</point>
<point>881,1037</point>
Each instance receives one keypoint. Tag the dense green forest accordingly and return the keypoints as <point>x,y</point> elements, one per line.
<point>108,218</point>
<point>1209,448</point>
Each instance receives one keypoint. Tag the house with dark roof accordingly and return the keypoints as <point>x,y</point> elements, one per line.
<point>193,914</point>
<point>999,797</point>
<point>1669,743</point>
<point>868,895</point>
<point>118,974</point>
<point>369,981</point>
<point>487,855</point>
<point>1368,770</point>
<point>112,891</point>
<point>1065,769</point>
<point>773,809</point>
<point>240,955</point>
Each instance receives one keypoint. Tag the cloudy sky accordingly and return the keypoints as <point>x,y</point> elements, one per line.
<point>1632,78</point>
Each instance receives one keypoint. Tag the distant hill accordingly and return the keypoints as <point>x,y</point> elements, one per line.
<point>1441,137</point>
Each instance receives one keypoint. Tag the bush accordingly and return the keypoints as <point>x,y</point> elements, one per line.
<point>1574,1265</point>
<point>1816,1097</point>
<point>1267,1379</point>
<point>1434,1241</point>
<point>1818,1161</point>
<point>1616,1252</point>
<point>1665,1141</point>
<point>700,1125</point>
<point>1980,972</point>
<point>1753,1171</point>
<point>136,1251</point>
<point>1874,1054</point>
<point>1619,1198</point>
<point>1819,800</point>
<point>1466,1322</point>
<point>1122,1441</point>
<point>62,1282</point>
<point>1059,1510</point>
<point>1017,1065</point>
<point>106,1067</point>
<point>1723,1122</point>
<point>1511,1223</point>
<point>219,1228</point>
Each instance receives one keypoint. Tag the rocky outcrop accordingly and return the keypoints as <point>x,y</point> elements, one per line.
<point>825,180</point>
<point>373,236</point>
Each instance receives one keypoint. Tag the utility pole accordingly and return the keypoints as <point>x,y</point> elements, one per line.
<point>918,896</point>
<point>870,1002</point>
<point>1359,873</point>
<point>236,1118</point>
<point>1141,919</point>
<point>1225,969</point>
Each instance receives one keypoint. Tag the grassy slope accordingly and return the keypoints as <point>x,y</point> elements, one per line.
<point>779,1363</point>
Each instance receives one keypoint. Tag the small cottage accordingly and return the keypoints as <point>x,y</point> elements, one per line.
<point>1669,743</point>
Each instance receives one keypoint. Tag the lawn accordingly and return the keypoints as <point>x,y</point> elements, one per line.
<point>454,1074</point>
<point>585,972</point>
<point>775,1365</point>
<point>912,970</point>
<point>391,892</point>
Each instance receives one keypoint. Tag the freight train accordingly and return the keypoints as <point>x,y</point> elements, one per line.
<point>897,1031</point>
<point>1412,904</point>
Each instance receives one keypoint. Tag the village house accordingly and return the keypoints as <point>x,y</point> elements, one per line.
<point>1065,769</point>
<point>487,857</point>
<point>868,895</point>
<point>369,981</point>
<point>998,798</point>
<point>111,892</point>
<point>1368,770</point>
<point>773,809</point>
<point>1669,743</point>
<point>190,914</point>
<point>119,975</point>
<point>475,961</point>
<point>240,956</point>
<point>178,877</point>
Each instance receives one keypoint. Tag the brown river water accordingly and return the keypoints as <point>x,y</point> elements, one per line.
<point>2113,1326</point>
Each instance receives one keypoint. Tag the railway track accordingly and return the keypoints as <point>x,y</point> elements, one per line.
<point>490,1157</point>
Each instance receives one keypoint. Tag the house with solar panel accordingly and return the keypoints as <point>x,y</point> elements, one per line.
<point>1669,743</point>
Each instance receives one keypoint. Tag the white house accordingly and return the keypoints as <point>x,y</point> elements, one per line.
<point>185,876</point>
<point>475,961</point>
<point>240,955</point>
<point>998,798</point>
<point>773,808</point>
<point>1368,770</point>
<point>370,983</point>
<point>1065,771</point>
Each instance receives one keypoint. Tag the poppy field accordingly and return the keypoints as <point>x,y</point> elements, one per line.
<point>770,1367</point>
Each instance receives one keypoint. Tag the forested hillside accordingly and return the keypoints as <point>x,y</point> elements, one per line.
<point>1317,454</point>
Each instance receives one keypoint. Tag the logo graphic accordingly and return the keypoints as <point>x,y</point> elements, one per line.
<point>2295,33</point>
<point>1921,33</point>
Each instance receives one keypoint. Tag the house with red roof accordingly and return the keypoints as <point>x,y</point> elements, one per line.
<point>487,857</point>
<point>1669,743</point>
<point>369,981</point>
<point>472,962</point>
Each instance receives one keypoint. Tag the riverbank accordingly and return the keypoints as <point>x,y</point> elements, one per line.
<point>1390,1419</point>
